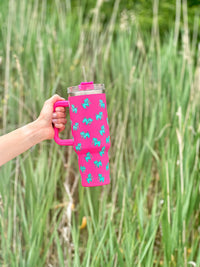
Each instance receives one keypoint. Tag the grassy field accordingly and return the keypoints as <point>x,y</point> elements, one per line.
<point>149,214</point>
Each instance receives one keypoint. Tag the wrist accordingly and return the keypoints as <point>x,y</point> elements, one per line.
<point>35,132</point>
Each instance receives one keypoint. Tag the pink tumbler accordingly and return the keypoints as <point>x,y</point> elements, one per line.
<point>90,131</point>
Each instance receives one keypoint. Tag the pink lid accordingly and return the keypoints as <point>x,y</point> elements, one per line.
<point>86,86</point>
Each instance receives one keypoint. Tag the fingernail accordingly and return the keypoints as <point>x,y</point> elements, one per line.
<point>54,115</point>
<point>54,120</point>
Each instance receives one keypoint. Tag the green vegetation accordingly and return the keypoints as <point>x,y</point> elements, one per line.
<point>149,214</point>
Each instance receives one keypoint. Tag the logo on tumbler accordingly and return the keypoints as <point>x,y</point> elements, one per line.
<point>101,103</point>
<point>99,116</point>
<point>101,178</point>
<point>89,179</point>
<point>102,151</point>
<point>85,135</point>
<point>78,147</point>
<point>87,121</point>
<point>86,103</point>
<point>82,168</point>
<point>75,126</point>
<point>97,163</point>
<point>74,109</point>
<point>88,156</point>
<point>102,131</point>
<point>96,142</point>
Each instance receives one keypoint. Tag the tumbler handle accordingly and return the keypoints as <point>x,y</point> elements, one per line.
<point>61,142</point>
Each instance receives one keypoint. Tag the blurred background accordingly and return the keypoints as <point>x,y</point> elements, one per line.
<point>147,53</point>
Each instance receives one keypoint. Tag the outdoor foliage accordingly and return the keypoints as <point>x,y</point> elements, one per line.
<point>149,214</point>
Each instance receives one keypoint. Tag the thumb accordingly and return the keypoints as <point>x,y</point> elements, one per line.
<point>49,103</point>
<point>54,99</point>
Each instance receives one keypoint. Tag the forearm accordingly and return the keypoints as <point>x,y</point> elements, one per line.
<point>18,141</point>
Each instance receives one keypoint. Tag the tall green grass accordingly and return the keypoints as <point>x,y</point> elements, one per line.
<point>149,214</point>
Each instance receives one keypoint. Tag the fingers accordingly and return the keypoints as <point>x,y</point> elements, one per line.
<point>58,115</point>
<point>60,109</point>
<point>59,118</point>
<point>59,121</point>
<point>60,126</point>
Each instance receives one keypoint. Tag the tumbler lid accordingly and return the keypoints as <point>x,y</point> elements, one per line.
<point>86,88</point>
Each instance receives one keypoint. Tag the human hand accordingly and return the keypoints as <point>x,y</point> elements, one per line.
<point>47,117</point>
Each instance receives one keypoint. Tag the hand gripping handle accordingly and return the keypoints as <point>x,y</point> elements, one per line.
<point>62,142</point>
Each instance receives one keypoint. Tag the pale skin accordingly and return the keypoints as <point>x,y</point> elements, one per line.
<point>20,140</point>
